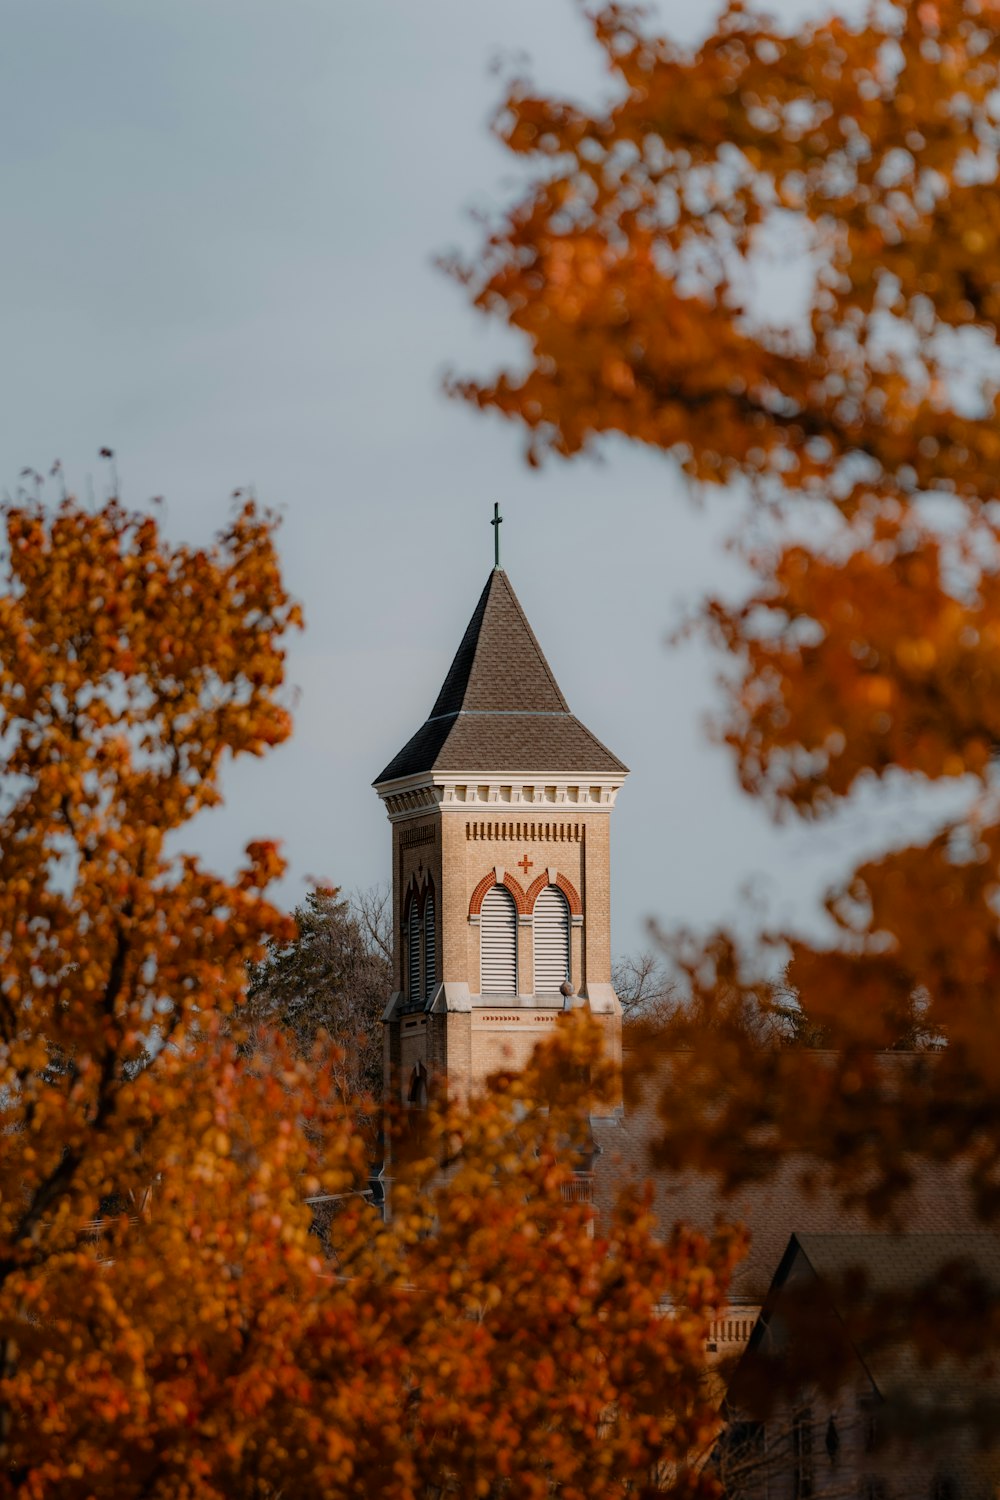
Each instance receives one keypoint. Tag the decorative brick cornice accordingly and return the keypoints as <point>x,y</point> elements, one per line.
<point>488,882</point>
<point>567,887</point>
<point>497,830</point>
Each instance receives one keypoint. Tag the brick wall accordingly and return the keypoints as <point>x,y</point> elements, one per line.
<point>460,852</point>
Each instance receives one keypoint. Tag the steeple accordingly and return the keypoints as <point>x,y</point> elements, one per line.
<point>500,707</point>
<point>500,808</point>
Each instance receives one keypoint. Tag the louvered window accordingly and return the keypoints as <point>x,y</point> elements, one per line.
<point>430,946</point>
<point>498,937</point>
<point>413,986</point>
<point>551,930</point>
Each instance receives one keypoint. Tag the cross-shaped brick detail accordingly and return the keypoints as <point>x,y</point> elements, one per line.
<point>525,864</point>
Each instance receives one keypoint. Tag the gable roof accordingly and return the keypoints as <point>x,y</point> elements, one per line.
<point>864,1280</point>
<point>500,707</point>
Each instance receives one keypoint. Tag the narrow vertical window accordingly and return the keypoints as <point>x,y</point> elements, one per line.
<point>802,1453</point>
<point>430,946</point>
<point>498,942</point>
<point>413,986</point>
<point>551,933</point>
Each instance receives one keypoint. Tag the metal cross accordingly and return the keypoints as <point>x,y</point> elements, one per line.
<point>496,523</point>
<point>525,864</point>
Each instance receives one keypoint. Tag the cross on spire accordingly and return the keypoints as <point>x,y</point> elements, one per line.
<point>496,523</point>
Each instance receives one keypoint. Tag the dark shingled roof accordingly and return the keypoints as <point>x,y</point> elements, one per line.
<point>500,707</point>
<point>899,1262</point>
<point>846,1293</point>
<point>948,1403</point>
<point>937,1204</point>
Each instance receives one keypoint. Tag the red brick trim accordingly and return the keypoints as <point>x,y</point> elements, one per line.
<point>478,895</point>
<point>566,886</point>
<point>517,891</point>
<point>572,895</point>
<point>487,883</point>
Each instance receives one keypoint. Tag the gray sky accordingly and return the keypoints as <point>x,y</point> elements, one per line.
<point>220,223</point>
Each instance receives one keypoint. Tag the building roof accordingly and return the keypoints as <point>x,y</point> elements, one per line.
<point>896,1299</point>
<point>858,1272</point>
<point>900,1262</point>
<point>797,1198</point>
<point>500,707</point>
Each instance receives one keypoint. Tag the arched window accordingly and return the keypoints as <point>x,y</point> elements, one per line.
<point>430,946</point>
<point>414,990</point>
<point>498,940</point>
<point>551,928</point>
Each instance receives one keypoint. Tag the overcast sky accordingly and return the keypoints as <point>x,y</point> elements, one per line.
<point>221,218</point>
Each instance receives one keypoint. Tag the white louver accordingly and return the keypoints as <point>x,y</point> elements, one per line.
<point>498,938</point>
<point>430,948</point>
<point>551,932</point>
<point>414,990</point>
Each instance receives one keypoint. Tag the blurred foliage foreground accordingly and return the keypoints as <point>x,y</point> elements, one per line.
<point>853,414</point>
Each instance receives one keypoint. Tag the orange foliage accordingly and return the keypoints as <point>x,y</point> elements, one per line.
<point>127,671</point>
<point>203,1341</point>
<point>867,156</point>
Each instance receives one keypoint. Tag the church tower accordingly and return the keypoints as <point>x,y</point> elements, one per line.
<point>500,807</point>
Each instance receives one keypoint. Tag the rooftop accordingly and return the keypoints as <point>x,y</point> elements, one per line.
<point>500,707</point>
<point>799,1197</point>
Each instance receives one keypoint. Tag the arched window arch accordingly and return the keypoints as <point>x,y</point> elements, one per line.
<point>430,945</point>
<point>498,942</point>
<point>551,931</point>
<point>414,989</point>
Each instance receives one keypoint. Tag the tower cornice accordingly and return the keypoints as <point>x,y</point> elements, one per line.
<point>500,792</point>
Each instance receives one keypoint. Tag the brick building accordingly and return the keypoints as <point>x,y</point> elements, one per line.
<point>500,807</point>
<point>835,1399</point>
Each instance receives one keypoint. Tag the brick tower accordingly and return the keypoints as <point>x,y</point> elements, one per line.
<point>500,807</point>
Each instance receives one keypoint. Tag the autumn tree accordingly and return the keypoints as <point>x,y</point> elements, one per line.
<point>865,431</point>
<point>549,1354</point>
<point>128,671</point>
<point>334,977</point>
<point>486,1341</point>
